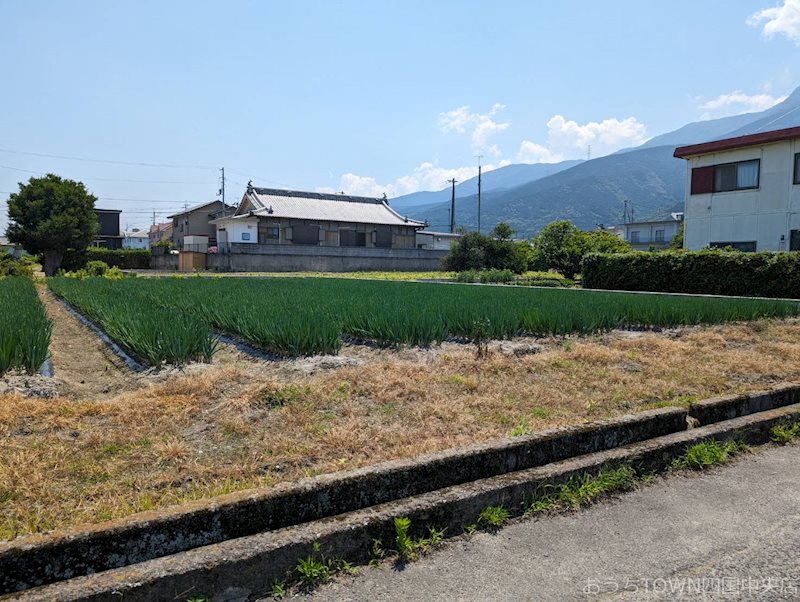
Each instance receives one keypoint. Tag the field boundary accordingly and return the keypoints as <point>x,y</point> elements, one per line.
<point>239,568</point>
<point>131,363</point>
<point>38,559</point>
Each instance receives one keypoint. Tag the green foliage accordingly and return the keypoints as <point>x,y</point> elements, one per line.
<point>403,542</point>
<point>406,546</point>
<point>491,276</point>
<point>561,246</point>
<point>677,241</point>
<point>50,215</point>
<point>317,568</point>
<point>708,453</point>
<point>126,259</point>
<point>502,231</point>
<point>303,316</point>
<point>15,267</point>
<point>784,433</point>
<point>712,272</point>
<point>25,328</point>
<point>582,490</point>
<point>475,251</point>
<point>493,516</point>
<point>96,268</point>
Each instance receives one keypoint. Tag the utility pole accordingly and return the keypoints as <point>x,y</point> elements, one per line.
<point>154,216</point>
<point>479,193</point>
<point>453,207</point>
<point>222,190</point>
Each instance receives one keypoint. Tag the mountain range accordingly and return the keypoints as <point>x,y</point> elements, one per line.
<point>590,192</point>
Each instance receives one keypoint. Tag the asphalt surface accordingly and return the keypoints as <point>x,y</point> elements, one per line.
<point>729,534</point>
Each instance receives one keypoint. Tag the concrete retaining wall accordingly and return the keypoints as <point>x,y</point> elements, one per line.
<point>41,559</point>
<point>274,258</point>
<point>239,569</point>
<point>164,263</point>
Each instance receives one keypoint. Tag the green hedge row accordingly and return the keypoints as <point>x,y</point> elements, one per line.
<point>701,272</point>
<point>125,259</point>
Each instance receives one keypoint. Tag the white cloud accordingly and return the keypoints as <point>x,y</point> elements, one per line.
<point>570,140</point>
<point>531,152</point>
<point>482,126</point>
<point>426,176</point>
<point>783,19</point>
<point>736,103</point>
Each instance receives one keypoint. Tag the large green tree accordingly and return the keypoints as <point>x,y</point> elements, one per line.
<point>50,215</point>
<point>561,245</point>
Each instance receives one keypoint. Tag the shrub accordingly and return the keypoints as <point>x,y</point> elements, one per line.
<point>712,272</point>
<point>96,268</point>
<point>15,267</point>
<point>475,251</point>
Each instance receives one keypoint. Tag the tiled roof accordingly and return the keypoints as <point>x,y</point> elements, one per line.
<point>320,206</point>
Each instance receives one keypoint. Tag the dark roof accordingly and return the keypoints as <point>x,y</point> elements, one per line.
<point>739,142</point>
<point>196,207</point>
<point>98,210</point>
<point>321,196</point>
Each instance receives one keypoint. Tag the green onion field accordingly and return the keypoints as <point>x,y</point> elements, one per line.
<point>173,319</point>
<point>24,326</point>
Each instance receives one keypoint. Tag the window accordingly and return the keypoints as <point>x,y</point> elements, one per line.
<point>273,232</point>
<point>635,236</point>
<point>383,237</point>
<point>659,236</point>
<point>351,238</point>
<point>797,168</point>
<point>245,236</point>
<point>306,235</point>
<point>747,247</point>
<point>736,176</point>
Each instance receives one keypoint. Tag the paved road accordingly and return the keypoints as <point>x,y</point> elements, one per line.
<point>732,534</point>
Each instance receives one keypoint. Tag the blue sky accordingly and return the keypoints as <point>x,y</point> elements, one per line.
<point>362,96</point>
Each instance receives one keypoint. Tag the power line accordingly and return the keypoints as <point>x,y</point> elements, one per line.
<point>40,173</point>
<point>111,161</point>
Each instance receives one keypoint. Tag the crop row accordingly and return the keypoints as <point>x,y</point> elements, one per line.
<point>305,316</point>
<point>25,328</point>
<point>152,331</point>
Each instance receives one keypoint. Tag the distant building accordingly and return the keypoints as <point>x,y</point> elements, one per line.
<point>195,221</point>
<point>657,234</point>
<point>159,232</point>
<point>291,230</point>
<point>136,239</point>
<point>15,250</point>
<point>109,235</point>
<point>436,241</point>
<point>744,192</point>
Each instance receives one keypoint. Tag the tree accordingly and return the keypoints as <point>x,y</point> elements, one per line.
<point>50,215</point>
<point>475,251</point>
<point>502,231</point>
<point>560,246</point>
<point>677,240</point>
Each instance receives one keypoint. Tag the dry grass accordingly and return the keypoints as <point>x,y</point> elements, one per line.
<point>65,462</point>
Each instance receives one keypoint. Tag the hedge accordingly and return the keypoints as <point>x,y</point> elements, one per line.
<point>126,259</point>
<point>699,272</point>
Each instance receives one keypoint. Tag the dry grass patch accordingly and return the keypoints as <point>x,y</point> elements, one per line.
<point>196,434</point>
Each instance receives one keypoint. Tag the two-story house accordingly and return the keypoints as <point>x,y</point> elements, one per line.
<point>744,192</point>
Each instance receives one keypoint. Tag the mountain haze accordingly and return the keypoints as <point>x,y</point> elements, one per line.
<point>506,177</point>
<point>592,192</point>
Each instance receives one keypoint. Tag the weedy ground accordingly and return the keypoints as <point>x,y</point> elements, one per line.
<point>147,441</point>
